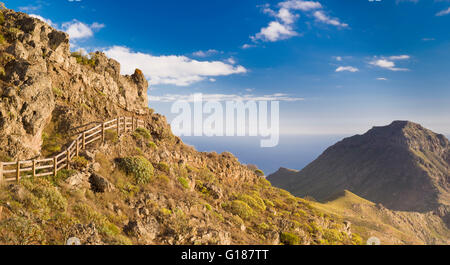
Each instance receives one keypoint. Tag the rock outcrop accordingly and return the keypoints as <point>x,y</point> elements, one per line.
<point>38,67</point>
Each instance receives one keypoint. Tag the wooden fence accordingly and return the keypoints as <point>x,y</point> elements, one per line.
<point>14,171</point>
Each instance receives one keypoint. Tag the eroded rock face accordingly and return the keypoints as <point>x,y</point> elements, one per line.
<point>38,68</point>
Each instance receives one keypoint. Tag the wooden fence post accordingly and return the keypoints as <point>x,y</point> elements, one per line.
<point>34,168</point>
<point>84,140</point>
<point>18,171</point>
<point>133,126</point>
<point>118,126</point>
<point>78,147</point>
<point>68,159</point>
<point>1,173</point>
<point>103,133</point>
<point>55,166</point>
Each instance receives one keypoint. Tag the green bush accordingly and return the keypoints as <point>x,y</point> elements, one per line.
<point>259,173</point>
<point>152,145</point>
<point>84,59</point>
<point>144,133</point>
<point>241,209</point>
<point>57,92</point>
<point>79,162</point>
<point>183,181</point>
<point>44,190</point>
<point>2,39</point>
<point>164,167</point>
<point>289,238</point>
<point>139,167</point>
<point>253,201</point>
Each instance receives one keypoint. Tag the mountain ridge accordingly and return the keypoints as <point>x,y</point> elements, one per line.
<point>403,165</point>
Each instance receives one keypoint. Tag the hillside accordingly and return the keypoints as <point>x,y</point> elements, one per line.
<point>142,187</point>
<point>391,227</point>
<point>402,166</point>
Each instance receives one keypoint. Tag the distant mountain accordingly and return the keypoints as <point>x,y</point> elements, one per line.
<point>402,166</point>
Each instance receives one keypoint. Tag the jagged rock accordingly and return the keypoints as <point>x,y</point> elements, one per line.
<point>40,63</point>
<point>80,180</point>
<point>210,236</point>
<point>100,184</point>
<point>145,232</point>
<point>87,234</point>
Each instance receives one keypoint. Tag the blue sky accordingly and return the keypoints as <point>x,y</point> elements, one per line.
<point>338,67</point>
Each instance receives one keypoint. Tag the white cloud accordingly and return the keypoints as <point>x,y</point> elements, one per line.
<point>48,21</point>
<point>388,63</point>
<point>248,46</point>
<point>347,68</point>
<point>225,97</point>
<point>205,53</point>
<point>400,57</point>
<point>300,5</point>
<point>172,69</point>
<point>275,31</point>
<point>338,58</point>
<point>286,16</point>
<point>322,17</point>
<point>443,12</point>
<point>77,30</point>
<point>283,27</point>
<point>381,79</point>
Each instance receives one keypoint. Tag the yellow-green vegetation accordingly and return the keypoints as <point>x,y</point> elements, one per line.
<point>259,173</point>
<point>184,182</point>
<point>253,201</point>
<point>289,238</point>
<point>79,162</point>
<point>139,167</point>
<point>52,144</point>
<point>84,59</point>
<point>152,145</point>
<point>57,92</point>
<point>142,132</point>
<point>241,209</point>
<point>164,167</point>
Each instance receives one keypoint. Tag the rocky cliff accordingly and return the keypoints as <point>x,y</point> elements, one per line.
<point>37,67</point>
<point>402,166</point>
<point>145,187</point>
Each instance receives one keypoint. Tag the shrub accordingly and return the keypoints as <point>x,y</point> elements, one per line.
<point>79,162</point>
<point>333,236</point>
<point>2,39</point>
<point>44,190</point>
<point>152,145</point>
<point>62,175</point>
<point>183,181</point>
<point>289,238</point>
<point>2,18</point>
<point>241,209</point>
<point>138,166</point>
<point>253,201</point>
<point>57,92</point>
<point>163,178</point>
<point>144,133</point>
<point>164,167</point>
<point>84,59</point>
<point>259,173</point>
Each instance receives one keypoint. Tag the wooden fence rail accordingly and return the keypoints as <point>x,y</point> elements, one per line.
<point>14,171</point>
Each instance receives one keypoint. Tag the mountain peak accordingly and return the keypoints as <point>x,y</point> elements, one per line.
<point>403,165</point>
